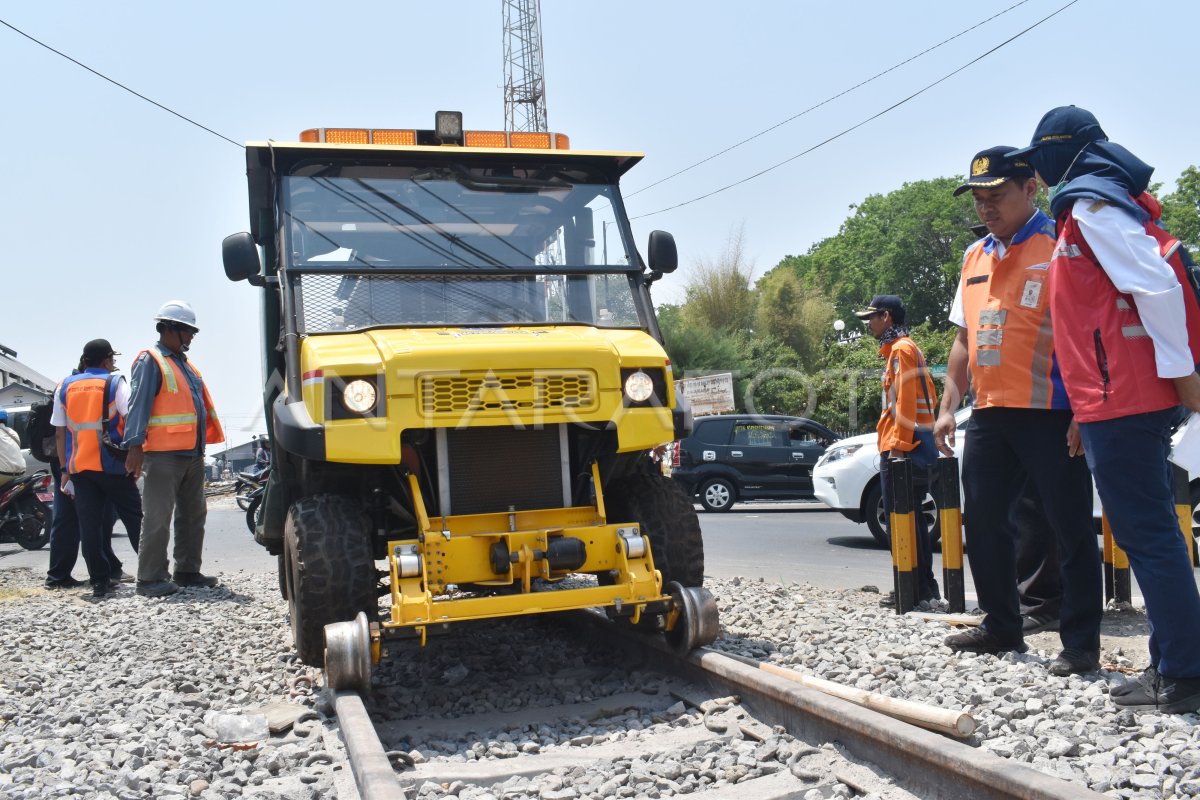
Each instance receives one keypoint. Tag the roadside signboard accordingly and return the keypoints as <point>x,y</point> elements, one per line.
<point>708,394</point>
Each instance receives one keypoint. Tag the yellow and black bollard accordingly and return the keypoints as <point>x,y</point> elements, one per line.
<point>1183,507</point>
<point>948,499</point>
<point>904,535</point>
<point>1117,586</point>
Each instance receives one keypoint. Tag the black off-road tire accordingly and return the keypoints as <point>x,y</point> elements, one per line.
<point>330,571</point>
<point>667,518</point>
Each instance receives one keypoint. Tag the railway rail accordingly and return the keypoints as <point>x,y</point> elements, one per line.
<point>703,723</point>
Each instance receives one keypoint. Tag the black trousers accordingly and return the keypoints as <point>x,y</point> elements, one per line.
<point>1038,581</point>
<point>1003,448</point>
<point>92,489</point>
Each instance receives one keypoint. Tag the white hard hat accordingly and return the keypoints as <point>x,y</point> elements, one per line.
<point>177,311</point>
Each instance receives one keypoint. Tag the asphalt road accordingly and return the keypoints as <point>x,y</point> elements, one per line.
<point>801,542</point>
<point>785,542</point>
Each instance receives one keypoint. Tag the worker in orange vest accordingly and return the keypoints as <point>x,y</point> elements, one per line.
<point>95,404</point>
<point>171,419</point>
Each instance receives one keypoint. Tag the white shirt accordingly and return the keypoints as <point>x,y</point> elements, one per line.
<point>1131,259</point>
<point>58,417</point>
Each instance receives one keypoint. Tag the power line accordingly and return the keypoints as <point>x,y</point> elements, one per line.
<point>827,100</point>
<point>858,125</point>
<point>119,84</point>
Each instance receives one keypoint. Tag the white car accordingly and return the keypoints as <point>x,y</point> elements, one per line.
<point>846,478</point>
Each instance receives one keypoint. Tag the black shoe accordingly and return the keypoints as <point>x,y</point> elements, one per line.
<point>156,588</point>
<point>1072,661</point>
<point>1146,680</point>
<point>100,590</point>
<point>1036,623</point>
<point>121,577</point>
<point>980,640</point>
<point>1165,695</point>
<point>66,583</point>
<point>195,579</point>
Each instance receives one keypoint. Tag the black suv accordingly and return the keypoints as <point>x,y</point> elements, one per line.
<point>732,457</point>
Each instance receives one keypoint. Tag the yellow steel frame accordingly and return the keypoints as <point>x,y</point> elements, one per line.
<point>455,550</point>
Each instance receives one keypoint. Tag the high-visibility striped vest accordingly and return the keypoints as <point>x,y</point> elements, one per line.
<point>1107,356</point>
<point>1010,336</point>
<point>83,400</point>
<point>173,419</point>
<point>909,395</point>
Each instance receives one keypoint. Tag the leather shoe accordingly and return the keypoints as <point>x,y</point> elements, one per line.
<point>1072,661</point>
<point>1036,623</point>
<point>121,577</point>
<point>100,590</point>
<point>980,640</point>
<point>66,583</point>
<point>195,579</point>
<point>156,588</point>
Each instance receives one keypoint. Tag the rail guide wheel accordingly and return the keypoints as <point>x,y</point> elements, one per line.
<point>697,624</point>
<point>348,655</point>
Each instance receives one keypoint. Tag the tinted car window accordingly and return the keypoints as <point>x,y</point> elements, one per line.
<point>713,431</point>
<point>751,434</point>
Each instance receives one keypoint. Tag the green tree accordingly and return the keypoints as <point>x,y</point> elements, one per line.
<point>908,242</point>
<point>1181,209</point>
<point>693,349</point>
<point>799,316</point>
<point>718,291</point>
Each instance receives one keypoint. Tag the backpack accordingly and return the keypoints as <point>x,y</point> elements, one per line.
<point>40,433</point>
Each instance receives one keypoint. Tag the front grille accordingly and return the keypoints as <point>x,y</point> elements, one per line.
<point>507,391</point>
<point>490,469</point>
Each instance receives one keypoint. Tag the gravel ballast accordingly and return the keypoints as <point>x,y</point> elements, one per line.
<point>109,699</point>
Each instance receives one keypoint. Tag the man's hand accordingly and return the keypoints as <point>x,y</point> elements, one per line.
<point>943,433</point>
<point>1189,391</point>
<point>1074,440</point>
<point>133,461</point>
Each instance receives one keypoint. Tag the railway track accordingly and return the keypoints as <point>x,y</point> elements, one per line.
<point>580,708</point>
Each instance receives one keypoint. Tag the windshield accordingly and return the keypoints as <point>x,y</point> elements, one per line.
<point>327,303</point>
<point>479,216</point>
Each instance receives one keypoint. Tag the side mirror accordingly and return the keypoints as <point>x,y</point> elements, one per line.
<point>240,256</point>
<point>661,252</point>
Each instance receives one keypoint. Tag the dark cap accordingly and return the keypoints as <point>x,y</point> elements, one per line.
<point>97,350</point>
<point>993,167</point>
<point>884,302</point>
<point>1064,125</point>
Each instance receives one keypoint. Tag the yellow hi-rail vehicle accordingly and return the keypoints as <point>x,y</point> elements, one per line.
<point>465,379</point>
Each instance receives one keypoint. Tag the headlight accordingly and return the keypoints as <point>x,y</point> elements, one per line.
<point>639,387</point>
<point>359,396</point>
<point>838,453</point>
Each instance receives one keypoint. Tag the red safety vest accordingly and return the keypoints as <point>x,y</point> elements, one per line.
<point>83,400</point>
<point>1104,351</point>
<point>1007,310</point>
<point>172,423</point>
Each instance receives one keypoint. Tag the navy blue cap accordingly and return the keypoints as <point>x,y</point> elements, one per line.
<point>993,167</point>
<point>1064,125</point>
<point>884,302</point>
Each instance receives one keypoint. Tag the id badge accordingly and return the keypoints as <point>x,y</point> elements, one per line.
<point>1031,294</point>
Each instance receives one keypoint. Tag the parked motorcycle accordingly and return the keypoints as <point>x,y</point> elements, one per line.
<point>249,482</point>
<point>25,510</point>
<point>254,502</point>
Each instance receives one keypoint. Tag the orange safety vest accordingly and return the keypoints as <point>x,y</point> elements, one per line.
<point>1006,304</point>
<point>909,395</point>
<point>172,423</point>
<point>83,400</point>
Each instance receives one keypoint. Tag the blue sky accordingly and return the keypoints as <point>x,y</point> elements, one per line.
<point>114,206</point>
